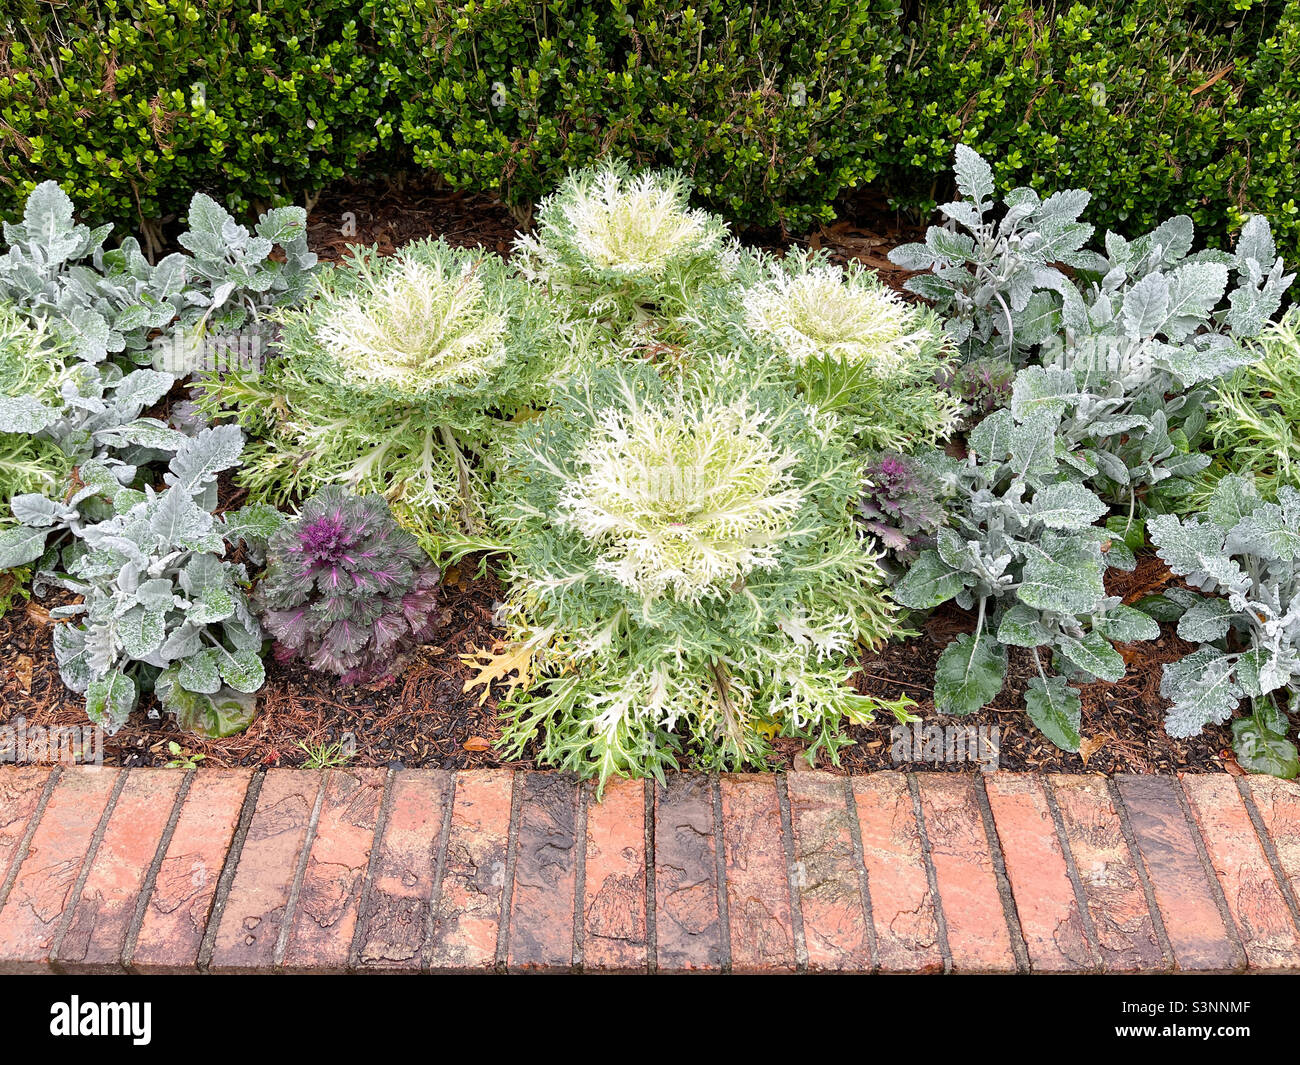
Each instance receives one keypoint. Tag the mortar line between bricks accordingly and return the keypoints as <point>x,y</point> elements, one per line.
<point>439,869</point>
<point>1072,871</point>
<point>720,862</point>
<point>295,888</point>
<point>20,855</point>
<point>864,878</point>
<point>1220,900</point>
<point>580,875</point>
<point>651,937</point>
<point>151,874</point>
<point>222,893</point>
<point>1143,874</point>
<point>1270,851</point>
<point>376,844</point>
<point>791,876</point>
<point>1009,911</point>
<point>941,922</point>
<point>512,858</point>
<point>73,897</point>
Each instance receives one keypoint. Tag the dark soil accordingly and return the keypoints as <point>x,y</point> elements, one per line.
<point>424,717</point>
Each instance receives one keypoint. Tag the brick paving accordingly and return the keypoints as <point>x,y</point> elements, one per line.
<point>371,870</point>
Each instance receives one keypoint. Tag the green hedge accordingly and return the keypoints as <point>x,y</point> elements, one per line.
<point>775,109</point>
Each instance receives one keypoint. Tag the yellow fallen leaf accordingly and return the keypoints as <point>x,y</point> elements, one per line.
<point>510,664</point>
<point>477,743</point>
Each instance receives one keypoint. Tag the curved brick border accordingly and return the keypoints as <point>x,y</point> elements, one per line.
<point>148,870</point>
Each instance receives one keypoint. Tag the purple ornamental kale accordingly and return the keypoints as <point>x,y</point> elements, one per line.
<point>900,501</point>
<point>347,589</point>
<point>982,385</point>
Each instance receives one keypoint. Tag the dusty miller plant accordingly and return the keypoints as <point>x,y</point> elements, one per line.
<point>160,607</point>
<point>1244,554</point>
<point>686,573</point>
<point>107,302</point>
<point>1023,550</point>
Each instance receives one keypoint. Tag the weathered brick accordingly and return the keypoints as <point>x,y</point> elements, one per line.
<point>395,925</point>
<point>902,905</point>
<point>546,873</point>
<point>42,890</point>
<point>97,934</point>
<point>468,915</point>
<point>757,875</point>
<point>1182,889</point>
<point>1256,903</point>
<point>978,936</point>
<point>688,925</point>
<point>1040,879</point>
<point>176,916</point>
<point>614,900</point>
<point>21,788</point>
<point>1278,803</point>
<point>826,874</point>
<point>256,909</point>
<point>325,917</point>
<point>1117,904</point>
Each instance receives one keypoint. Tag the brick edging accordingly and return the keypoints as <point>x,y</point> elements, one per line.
<point>360,870</point>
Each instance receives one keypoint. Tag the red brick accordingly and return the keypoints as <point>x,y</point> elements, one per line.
<point>468,915</point>
<point>1040,879</point>
<point>21,788</point>
<point>42,890</point>
<point>614,900</point>
<point>688,926</point>
<point>757,875</point>
<point>898,882</point>
<point>978,936</point>
<point>1256,903</point>
<point>395,925</point>
<point>95,938</point>
<point>1117,904</point>
<point>176,916</point>
<point>1278,803</point>
<point>546,874</point>
<point>1179,882</point>
<point>826,874</point>
<point>325,917</point>
<point>256,909</point>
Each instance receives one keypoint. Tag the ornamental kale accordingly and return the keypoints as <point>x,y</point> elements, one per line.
<point>622,249</point>
<point>347,589</point>
<point>901,503</point>
<point>1022,547</point>
<point>1245,554</point>
<point>398,378</point>
<point>686,574</point>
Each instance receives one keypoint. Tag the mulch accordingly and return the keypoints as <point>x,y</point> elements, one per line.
<point>425,717</point>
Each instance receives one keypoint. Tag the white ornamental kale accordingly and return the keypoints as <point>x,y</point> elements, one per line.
<point>396,378</point>
<point>686,573</point>
<point>847,344</point>
<point>621,247</point>
<point>1022,547</point>
<point>1244,553</point>
<point>682,501</point>
<point>419,325</point>
<point>159,603</point>
<point>823,311</point>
